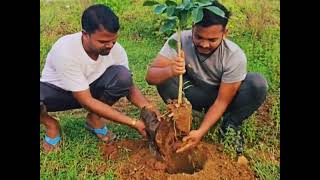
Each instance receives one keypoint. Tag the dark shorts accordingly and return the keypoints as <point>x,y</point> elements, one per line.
<point>113,84</point>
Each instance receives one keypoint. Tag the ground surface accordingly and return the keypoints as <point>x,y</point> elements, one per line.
<point>139,163</point>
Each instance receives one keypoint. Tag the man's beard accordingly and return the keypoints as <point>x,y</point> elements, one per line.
<point>204,51</point>
<point>104,52</point>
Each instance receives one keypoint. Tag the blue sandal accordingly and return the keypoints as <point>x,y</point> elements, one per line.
<point>52,141</point>
<point>100,131</point>
<point>103,131</point>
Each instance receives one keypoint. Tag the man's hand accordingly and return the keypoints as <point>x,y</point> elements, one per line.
<point>192,140</point>
<point>155,110</point>
<point>139,125</point>
<point>178,65</point>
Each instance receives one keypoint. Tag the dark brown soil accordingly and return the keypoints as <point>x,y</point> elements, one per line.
<point>134,161</point>
<point>206,161</point>
<point>181,115</point>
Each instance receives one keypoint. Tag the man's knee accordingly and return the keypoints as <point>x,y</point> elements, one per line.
<point>123,76</point>
<point>53,99</point>
<point>258,85</point>
<point>168,89</point>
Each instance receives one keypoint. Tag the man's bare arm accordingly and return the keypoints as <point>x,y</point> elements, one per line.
<point>106,111</point>
<point>226,93</point>
<point>136,98</point>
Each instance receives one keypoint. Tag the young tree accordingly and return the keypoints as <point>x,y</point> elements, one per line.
<point>178,13</point>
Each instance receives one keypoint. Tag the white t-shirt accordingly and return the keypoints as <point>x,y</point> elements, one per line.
<point>69,67</point>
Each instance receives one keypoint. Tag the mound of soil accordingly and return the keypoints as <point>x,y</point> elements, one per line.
<point>165,137</point>
<point>181,115</point>
<point>134,161</point>
<point>175,125</point>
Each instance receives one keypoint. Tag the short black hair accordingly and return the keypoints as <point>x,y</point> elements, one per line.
<point>210,18</point>
<point>99,16</point>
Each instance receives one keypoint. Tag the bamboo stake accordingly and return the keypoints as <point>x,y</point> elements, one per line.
<point>180,76</point>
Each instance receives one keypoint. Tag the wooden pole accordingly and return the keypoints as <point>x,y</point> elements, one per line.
<point>180,76</point>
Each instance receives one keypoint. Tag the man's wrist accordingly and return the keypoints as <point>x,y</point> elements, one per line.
<point>148,106</point>
<point>133,122</point>
<point>202,131</point>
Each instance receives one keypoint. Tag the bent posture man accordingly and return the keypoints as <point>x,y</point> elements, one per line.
<point>88,69</point>
<point>214,74</point>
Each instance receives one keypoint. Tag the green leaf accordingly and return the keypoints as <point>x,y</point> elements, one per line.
<point>150,3</point>
<point>205,1</point>
<point>170,3</point>
<point>216,11</point>
<point>202,3</point>
<point>171,11</point>
<point>197,14</point>
<point>160,8</point>
<point>187,4</point>
<point>180,7</point>
<point>183,17</point>
<point>173,17</point>
<point>173,43</point>
<point>168,25</point>
<point>187,7</point>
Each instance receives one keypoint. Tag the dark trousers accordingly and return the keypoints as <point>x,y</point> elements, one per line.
<point>109,88</point>
<point>250,96</point>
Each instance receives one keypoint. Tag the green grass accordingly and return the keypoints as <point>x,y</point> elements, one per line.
<point>254,26</point>
<point>78,156</point>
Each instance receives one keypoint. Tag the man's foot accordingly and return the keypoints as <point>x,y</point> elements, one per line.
<point>47,147</point>
<point>97,127</point>
<point>50,144</point>
<point>53,131</point>
<point>103,133</point>
<point>231,133</point>
<point>239,144</point>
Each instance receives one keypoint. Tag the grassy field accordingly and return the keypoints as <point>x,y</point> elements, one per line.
<point>254,26</point>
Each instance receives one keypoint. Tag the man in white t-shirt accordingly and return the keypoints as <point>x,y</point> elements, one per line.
<point>215,76</point>
<point>89,69</point>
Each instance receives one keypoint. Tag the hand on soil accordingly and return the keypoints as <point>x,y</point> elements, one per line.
<point>192,140</point>
<point>141,128</point>
<point>156,111</point>
<point>178,65</point>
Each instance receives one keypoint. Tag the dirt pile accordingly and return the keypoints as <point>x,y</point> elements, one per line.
<point>134,161</point>
<point>173,127</point>
<point>206,161</point>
